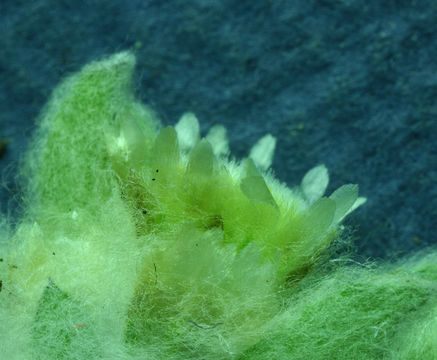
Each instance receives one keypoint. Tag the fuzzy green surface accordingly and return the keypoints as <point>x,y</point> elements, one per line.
<point>142,242</point>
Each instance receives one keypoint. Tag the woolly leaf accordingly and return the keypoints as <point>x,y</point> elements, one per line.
<point>254,186</point>
<point>320,215</point>
<point>60,327</point>
<point>360,201</point>
<point>201,159</point>
<point>188,131</point>
<point>344,197</point>
<point>262,152</point>
<point>251,169</point>
<point>218,139</point>
<point>314,183</point>
<point>165,150</point>
<point>136,145</point>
